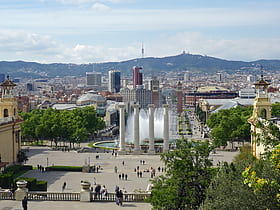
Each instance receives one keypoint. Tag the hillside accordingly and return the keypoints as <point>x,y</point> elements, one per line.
<point>151,65</point>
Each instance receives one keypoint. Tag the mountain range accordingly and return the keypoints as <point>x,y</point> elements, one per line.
<point>151,66</point>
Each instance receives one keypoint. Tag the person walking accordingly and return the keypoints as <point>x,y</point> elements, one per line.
<point>63,186</point>
<point>121,197</point>
<point>24,203</point>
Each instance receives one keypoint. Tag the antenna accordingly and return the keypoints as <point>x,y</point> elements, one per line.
<point>142,50</point>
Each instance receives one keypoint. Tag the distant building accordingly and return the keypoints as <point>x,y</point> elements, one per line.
<point>251,78</point>
<point>137,76</point>
<point>114,85</point>
<point>93,79</point>
<point>138,95</point>
<point>2,78</point>
<point>23,103</point>
<point>247,93</point>
<point>29,87</point>
<point>208,92</point>
<point>187,76</point>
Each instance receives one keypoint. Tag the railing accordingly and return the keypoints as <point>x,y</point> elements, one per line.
<point>75,196</point>
<point>6,195</point>
<point>128,197</point>
<point>53,196</point>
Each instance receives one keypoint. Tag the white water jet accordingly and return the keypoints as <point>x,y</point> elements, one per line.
<point>144,125</point>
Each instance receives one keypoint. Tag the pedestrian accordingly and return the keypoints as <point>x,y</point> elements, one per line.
<point>117,196</point>
<point>125,176</point>
<point>116,169</point>
<point>24,203</point>
<point>104,191</point>
<point>140,162</point>
<point>159,169</point>
<point>123,163</point>
<point>140,173</point>
<point>138,168</point>
<point>97,190</point>
<point>120,197</point>
<point>94,180</point>
<point>63,186</point>
<point>120,176</point>
<point>143,161</point>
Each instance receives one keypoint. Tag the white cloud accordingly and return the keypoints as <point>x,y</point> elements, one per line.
<point>100,7</point>
<point>22,45</point>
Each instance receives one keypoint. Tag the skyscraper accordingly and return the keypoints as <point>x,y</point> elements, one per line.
<point>114,81</point>
<point>2,78</point>
<point>137,76</point>
<point>93,78</point>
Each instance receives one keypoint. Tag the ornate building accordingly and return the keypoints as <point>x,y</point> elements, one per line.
<point>10,136</point>
<point>261,111</point>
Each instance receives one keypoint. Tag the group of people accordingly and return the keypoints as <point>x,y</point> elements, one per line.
<point>41,168</point>
<point>100,191</point>
<point>123,176</point>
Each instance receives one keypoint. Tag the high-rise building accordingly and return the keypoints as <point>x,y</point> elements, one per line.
<point>2,78</point>
<point>114,85</point>
<point>93,78</point>
<point>137,76</point>
<point>137,95</point>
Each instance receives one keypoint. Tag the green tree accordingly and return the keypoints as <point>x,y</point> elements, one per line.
<point>67,126</point>
<point>230,125</point>
<point>187,177</point>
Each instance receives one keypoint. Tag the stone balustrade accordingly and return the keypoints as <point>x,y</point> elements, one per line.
<point>75,196</point>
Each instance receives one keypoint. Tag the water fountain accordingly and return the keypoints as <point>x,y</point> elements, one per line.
<point>147,128</point>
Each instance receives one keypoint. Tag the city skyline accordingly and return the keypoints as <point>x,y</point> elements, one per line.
<point>89,31</point>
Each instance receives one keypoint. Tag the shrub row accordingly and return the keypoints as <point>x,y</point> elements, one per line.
<point>14,169</point>
<point>33,184</point>
<point>65,168</point>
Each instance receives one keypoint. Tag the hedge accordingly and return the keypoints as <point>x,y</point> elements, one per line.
<point>33,184</point>
<point>65,168</point>
<point>17,168</point>
<point>12,172</point>
<point>6,180</point>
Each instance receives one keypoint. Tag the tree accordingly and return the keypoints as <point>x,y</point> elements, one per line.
<point>187,177</point>
<point>54,125</point>
<point>247,183</point>
<point>230,125</point>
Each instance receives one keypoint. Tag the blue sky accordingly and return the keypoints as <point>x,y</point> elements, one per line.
<point>88,31</point>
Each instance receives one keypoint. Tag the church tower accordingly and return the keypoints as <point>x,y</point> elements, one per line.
<point>261,109</point>
<point>262,105</point>
<point>8,103</point>
<point>10,136</point>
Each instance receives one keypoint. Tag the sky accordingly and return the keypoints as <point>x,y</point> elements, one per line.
<point>95,31</point>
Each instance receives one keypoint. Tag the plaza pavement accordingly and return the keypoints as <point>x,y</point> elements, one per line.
<point>45,156</point>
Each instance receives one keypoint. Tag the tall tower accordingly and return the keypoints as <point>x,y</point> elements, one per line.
<point>262,104</point>
<point>8,103</point>
<point>179,97</point>
<point>114,81</point>
<point>262,109</point>
<point>10,136</point>
<point>137,76</point>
